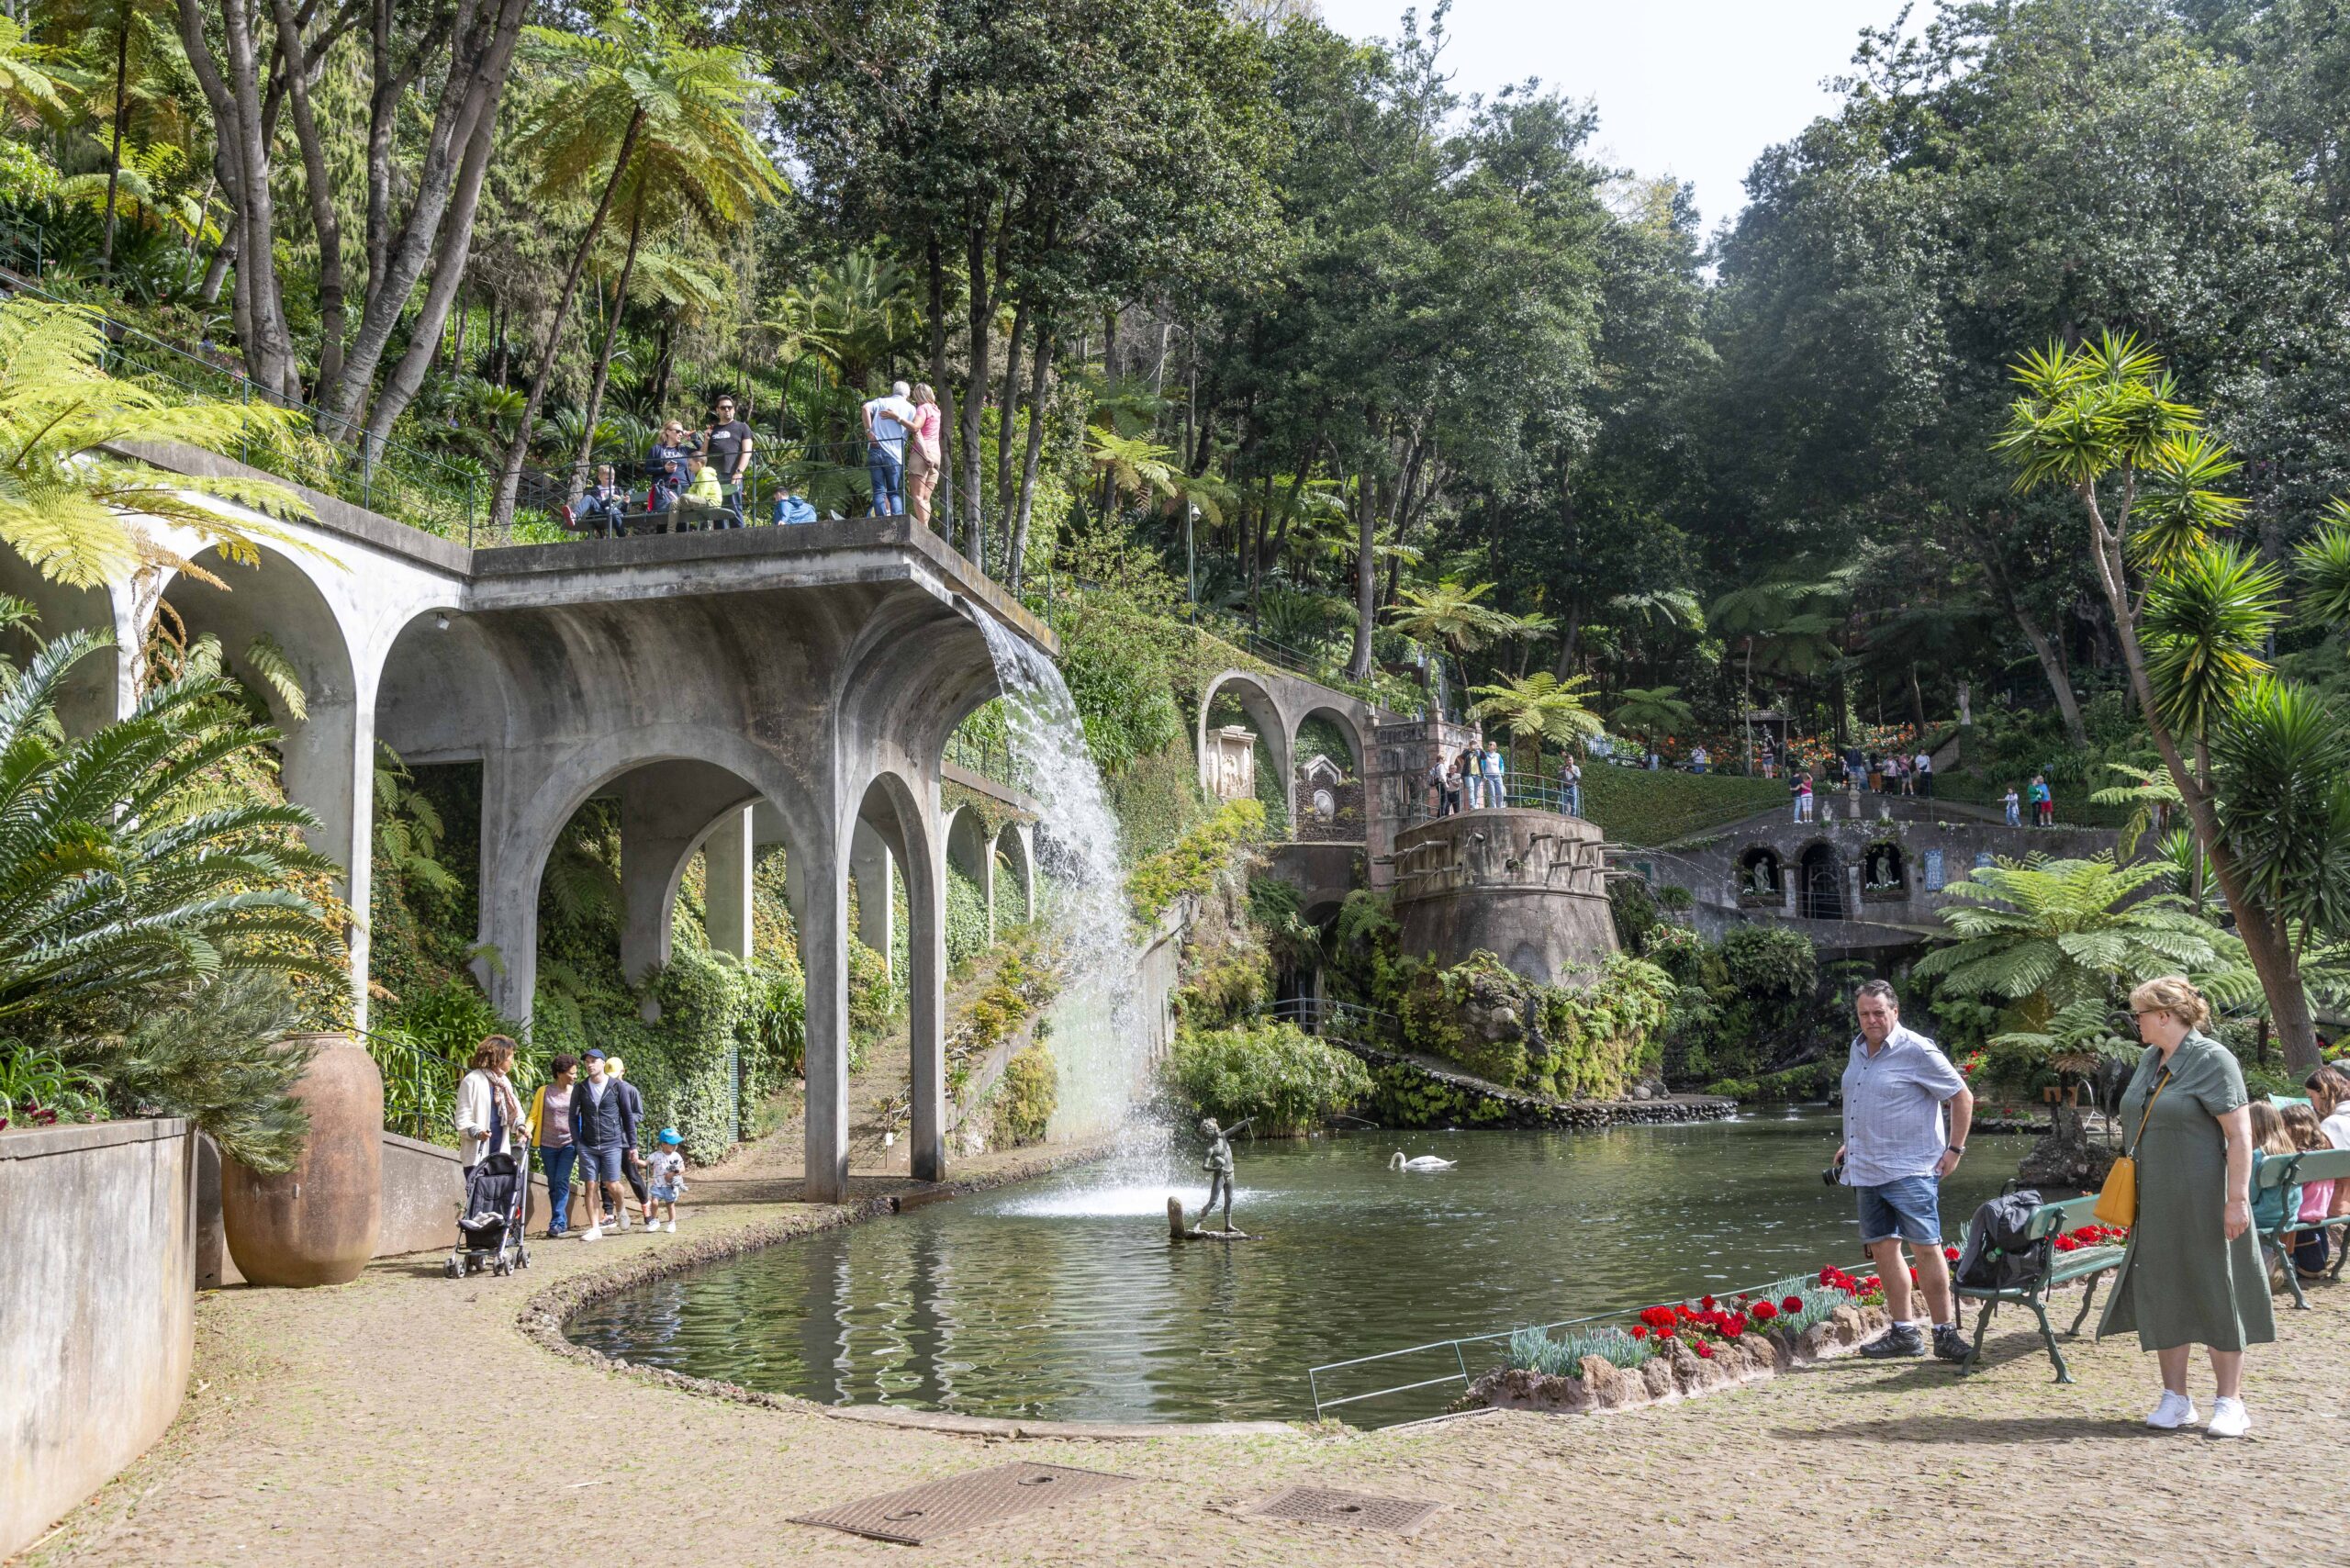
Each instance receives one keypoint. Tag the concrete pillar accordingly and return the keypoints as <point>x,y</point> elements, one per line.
<point>330,771</point>
<point>869,864</point>
<point>926,1001</point>
<point>817,888</point>
<point>510,890</point>
<point>726,904</point>
<point>968,850</point>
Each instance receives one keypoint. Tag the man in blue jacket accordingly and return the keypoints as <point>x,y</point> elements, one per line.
<point>603,1127</point>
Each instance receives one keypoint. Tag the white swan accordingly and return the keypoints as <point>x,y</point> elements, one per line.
<point>1420,1162</point>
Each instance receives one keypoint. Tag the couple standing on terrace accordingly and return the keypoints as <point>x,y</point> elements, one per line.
<point>2192,1274</point>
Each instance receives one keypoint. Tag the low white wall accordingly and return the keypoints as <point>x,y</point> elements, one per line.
<point>97,1308</point>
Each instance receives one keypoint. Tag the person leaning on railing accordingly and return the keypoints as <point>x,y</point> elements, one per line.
<point>2193,1274</point>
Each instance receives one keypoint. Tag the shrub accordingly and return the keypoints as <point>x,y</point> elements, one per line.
<point>1191,863</point>
<point>1285,1078</point>
<point>1590,1042</point>
<point>1029,1092</point>
<point>967,917</point>
<point>1770,962</point>
<point>1535,1350</point>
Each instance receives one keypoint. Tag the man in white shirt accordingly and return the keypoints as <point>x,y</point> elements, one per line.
<point>1925,773</point>
<point>886,420</point>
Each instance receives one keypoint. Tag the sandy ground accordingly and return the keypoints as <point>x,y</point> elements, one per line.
<point>410,1419</point>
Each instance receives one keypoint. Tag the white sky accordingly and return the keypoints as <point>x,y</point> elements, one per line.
<point>1692,88</point>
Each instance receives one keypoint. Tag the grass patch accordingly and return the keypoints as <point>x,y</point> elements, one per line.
<point>1636,807</point>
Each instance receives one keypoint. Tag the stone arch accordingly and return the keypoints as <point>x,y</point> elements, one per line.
<point>99,689</point>
<point>327,751</point>
<point>971,851</point>
<point>900,809</point>
<point>1762,876</point>
<point>1016,863</point>
<point>1259,701</point>
<point>1358,743</point>
<point>1819,882</point>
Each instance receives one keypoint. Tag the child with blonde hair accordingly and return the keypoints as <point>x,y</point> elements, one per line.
<point>2271,1141</point>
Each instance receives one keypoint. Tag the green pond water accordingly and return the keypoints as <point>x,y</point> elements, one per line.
<point>1062,1298</point>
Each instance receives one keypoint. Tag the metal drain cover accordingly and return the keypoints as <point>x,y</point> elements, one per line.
<point>1317,1505</point>
<point>961,1501</point>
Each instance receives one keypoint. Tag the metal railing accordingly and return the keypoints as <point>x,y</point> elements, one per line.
<point>1523,792</point>
<point>1316,1375</point>
<point>1338,1020</point>
<point>990,759</point>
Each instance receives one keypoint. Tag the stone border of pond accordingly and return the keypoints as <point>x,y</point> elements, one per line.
<point>542,1317</point>
<point>1680,1373</point>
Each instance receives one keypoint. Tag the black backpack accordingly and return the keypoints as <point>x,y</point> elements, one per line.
<point>1998,1256</point>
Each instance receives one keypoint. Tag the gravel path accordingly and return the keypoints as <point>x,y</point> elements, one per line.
<point>393,1420</point>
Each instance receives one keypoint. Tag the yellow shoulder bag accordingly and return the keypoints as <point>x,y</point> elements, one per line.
<point>2117,1201</point>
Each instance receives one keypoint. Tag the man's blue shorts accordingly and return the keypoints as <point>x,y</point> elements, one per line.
<point>1909,1208</point>
<point>599,1164</point>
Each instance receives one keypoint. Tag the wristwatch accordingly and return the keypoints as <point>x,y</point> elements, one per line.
<point>1957,1149</point>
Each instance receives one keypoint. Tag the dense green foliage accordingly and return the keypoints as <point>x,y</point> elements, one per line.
<point>1570,1043</point>
<point>1290,1081</point>
<point>1191,863</point>
<point>1025,1099</point>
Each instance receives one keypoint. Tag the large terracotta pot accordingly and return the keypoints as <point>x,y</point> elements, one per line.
<point>317,1224</point>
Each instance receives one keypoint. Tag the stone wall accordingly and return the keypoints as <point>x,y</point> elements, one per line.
<point>1528,887</point>
<point>96,1340</point>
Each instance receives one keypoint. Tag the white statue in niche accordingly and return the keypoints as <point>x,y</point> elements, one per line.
<point>1325,805</point>
<point>1233,762</point>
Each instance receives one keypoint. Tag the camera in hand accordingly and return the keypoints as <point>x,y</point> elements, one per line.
<point>1835,1175</point>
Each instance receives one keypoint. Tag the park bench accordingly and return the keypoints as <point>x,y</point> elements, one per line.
<point>2284,1170</point>
<point>2048,1221</point>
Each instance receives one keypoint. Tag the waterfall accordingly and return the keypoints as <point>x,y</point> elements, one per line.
<point>1081,885</point>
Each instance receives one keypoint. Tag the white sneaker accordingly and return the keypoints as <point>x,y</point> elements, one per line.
<point>593,1233</point>
<point>2175,1411</point>
<point>671,1227</point>
<point>2229,1419</point>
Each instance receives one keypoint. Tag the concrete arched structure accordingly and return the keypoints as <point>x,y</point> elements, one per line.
<point>901,812</point>
<point>969,851</point>
<point>1278,706</point>
<point>1015,855</point>
<point>100,686</point>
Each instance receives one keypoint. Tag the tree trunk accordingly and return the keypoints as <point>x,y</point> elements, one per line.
<point>2051,662</point>
<point>980,311</point>
<point>509,478</point>
<point>325,224</point>
<point>2265,940</point>
<point>1008,409</point>
<point>1037,370</point>
<point>1366,581</point>
<point>232,85</point>
<point>447,185</point>
<point>604,354</point>
<point>114,152</point>
<point>448,275</point>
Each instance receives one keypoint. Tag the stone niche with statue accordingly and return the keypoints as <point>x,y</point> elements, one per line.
<point>1231,763</point>
<point>1330,804</point>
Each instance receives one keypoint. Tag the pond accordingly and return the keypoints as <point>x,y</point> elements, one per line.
<point>1062,1299</point>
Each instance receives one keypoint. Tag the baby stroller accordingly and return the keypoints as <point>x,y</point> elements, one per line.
<point>491,1225</point>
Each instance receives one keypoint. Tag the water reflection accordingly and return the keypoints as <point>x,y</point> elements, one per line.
<point>1063,1299</point>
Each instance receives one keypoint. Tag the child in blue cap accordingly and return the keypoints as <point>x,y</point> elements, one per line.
<point>666,1172</point>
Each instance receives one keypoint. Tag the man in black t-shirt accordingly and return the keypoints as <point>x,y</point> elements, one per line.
<point>727,448</point>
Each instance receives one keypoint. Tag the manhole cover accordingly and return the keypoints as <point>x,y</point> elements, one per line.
<point>960,1502</point>
<point>1318,1505</point>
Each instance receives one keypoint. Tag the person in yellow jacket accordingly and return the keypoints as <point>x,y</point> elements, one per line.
<point>550,1123</point>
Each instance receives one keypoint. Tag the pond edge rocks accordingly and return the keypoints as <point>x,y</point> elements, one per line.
<point>1680,1375</point>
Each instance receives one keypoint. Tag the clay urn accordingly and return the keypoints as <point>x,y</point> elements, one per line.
<point>317,1224</point>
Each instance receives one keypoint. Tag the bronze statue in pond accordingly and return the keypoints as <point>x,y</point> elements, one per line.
<point>1218,1165</point>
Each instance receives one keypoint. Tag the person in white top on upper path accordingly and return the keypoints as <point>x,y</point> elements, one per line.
<point>886,420</point>
<point>1896,1149</point>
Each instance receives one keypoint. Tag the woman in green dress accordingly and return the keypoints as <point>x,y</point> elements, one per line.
<point>2192,1275</point>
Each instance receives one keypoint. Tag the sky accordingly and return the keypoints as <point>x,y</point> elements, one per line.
<point>1692,88</point>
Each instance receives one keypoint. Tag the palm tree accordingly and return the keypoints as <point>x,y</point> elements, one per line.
<point>2041,935</point>
<point>133,885</point>
<point>85,516</point>
<point>651,111</point>
<point>1451,616</point>
<point>29,89</point>
<point>1130,465</point>
<point>1646,711</point>
<point>1536,708</point>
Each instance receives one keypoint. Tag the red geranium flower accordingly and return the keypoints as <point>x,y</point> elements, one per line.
<point>1950,1254</point>
<point>1705,1351</point>
<point>1639,1332</point>
<point>1659,1318</point>
<point>1763,1312</point>
<point>1793,1304</point>
<point>1734,1327</point>
<point>1706,1301</point>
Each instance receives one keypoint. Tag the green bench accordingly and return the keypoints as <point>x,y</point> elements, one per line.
<point>2283,1171</point>
<point>2092,1263</point>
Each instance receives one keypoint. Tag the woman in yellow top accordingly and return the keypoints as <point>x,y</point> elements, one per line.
<point>2193,1274</point>
<point>550,1125</point>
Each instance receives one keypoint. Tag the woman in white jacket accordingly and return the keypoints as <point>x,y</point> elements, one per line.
<point>489,1110</point>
